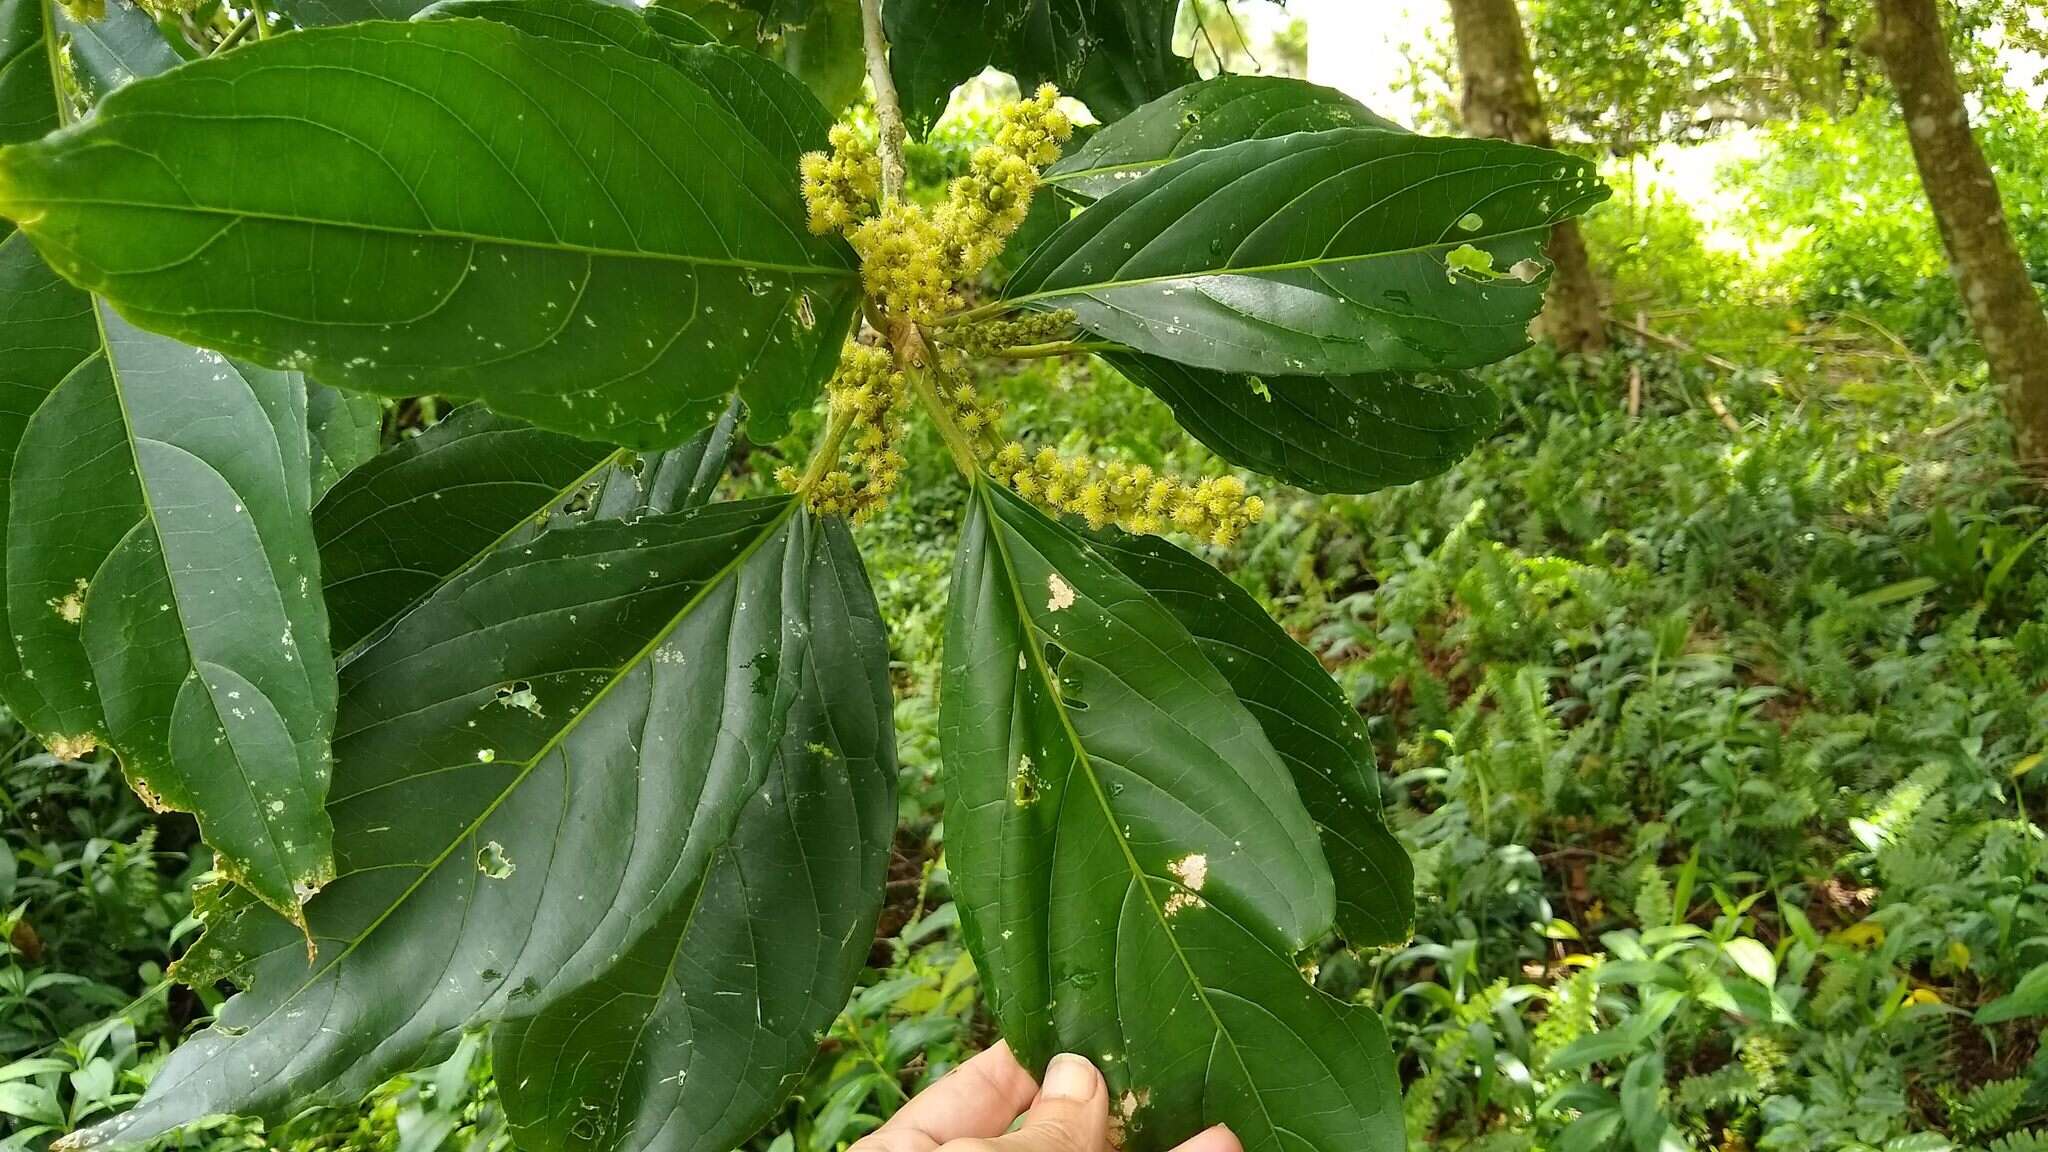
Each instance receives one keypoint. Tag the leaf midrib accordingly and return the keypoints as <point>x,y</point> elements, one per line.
<point>29,221</point>
<point>1035,653</point>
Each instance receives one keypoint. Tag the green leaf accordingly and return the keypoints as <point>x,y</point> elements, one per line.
<point>401,525</point>
<point>1136,872</point>
<point>345,428</point>
<point>2028,998</point>
<point>1754,959</point>
<point>611,263</point>
<point>1111,54</point>
<point>638,775</point>
<point>1305,717</point>
<point>1642,1103</point>
<point>1318,253</point>
<point>1353,433</point>
<point>163,583</point>
<point>1203,115</point>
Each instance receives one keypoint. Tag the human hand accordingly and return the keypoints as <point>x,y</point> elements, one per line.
<point>972,1107</point>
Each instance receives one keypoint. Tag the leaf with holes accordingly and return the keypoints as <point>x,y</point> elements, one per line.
<point>163,588</point>
<point>161,584</point>
<point>1325,433</point>
<point>535,826</point>
<point>1315,730</point>
<point>401,525</point>
<point>1139,878</point>
<point>610,261</point>
<point>1199,116</point>
<point>1346,251</point>
<point>1112,54</point>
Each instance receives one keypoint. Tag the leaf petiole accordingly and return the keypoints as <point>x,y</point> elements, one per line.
<point>1058,348</point>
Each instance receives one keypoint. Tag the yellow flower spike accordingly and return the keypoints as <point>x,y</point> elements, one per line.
<point>1093,504</point>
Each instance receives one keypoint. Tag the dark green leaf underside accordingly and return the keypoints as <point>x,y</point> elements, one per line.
<point>635,776</point>
<point>430,507</point>
<point>1306,717</point>
<point>1326,434</point>
<point>1135,869</point>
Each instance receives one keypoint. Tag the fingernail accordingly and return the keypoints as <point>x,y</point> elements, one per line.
<point>1069,1077</point>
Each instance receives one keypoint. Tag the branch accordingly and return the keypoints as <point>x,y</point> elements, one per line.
<point>888,107</point>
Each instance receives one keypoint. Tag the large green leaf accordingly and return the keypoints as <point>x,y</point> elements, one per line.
<point>160,581</point>
<point>163,589</point>
<point>632,776</point>
<point>1345,251</point>
<point>1137,872</point>
<point>1112,54</point>
<point>610,261</point>
<point>1326,434</point>
<point>1205,114</point>
<point>1306,717</point>
<point>398,527</point>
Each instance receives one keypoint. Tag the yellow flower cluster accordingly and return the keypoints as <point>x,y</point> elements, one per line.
<point>915,259</point>
<point>841,187</point>
<point>989,336</point>
<point>972,410</point>
<point>1131,496</point>
<point>867,394</point>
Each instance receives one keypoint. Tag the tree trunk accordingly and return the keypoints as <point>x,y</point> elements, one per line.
<point>1500,101</point>
<point>2004,307</point>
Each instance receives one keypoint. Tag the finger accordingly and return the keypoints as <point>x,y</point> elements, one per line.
<point>978,1099</point>
<point>1214,1139</point>
<point>1071,1113</point>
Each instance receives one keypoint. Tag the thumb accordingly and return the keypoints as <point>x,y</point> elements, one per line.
<point>1071,1113</point>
